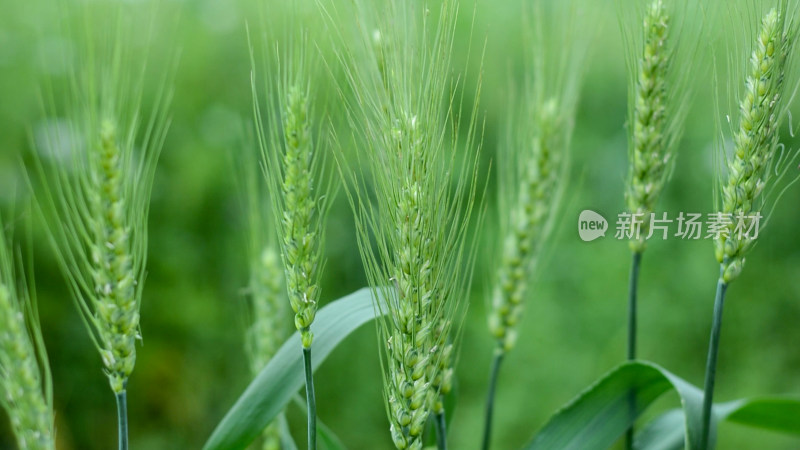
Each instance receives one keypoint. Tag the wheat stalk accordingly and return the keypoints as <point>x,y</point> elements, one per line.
<point>25,380</point>
<point>293,157</point>
<point>651,154</point>
<point>533,161</point>
<point>752,168</point>
<point>663,53</point>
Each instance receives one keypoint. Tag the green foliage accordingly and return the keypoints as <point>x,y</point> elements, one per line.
<point>597,417</point>
<point>273,388</point>
<point>193,367</point>
<point>781,414</point>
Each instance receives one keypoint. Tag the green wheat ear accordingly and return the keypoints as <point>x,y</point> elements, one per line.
<point>300,189</point>
<point>651,153</point>
<point>755,159</point>
<point>94,185</point>
<point>25,380</point>
<point>412,188</point>
<point>97,203</point>
<point>536,201</point>
<point>533,160</point>
<point>753,170</point>
<point>664,57</point>
<point>293,156</point>
<point>300,235</point>
<point>268,330</point>
<point>116,316</point>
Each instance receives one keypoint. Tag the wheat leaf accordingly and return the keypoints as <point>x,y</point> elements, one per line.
<point>273,388</point>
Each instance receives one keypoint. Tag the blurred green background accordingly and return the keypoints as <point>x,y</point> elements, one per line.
<point>192,366</point>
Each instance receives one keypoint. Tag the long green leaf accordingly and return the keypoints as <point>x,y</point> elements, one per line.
<point>270,392</point>
<point>780,414</point>
<point>601,414</point>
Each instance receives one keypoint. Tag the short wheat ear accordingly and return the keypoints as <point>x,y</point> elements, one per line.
<point>25,379</point>
<point>662,50</point>
<point>95,195</point>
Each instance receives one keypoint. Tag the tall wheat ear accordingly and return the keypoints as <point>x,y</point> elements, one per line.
<point>533,161</point>
<point>94,166</point>
<point>294,153</point>
<point>748,179</point>
<point>412,184</point>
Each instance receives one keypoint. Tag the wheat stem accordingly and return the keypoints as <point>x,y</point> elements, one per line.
<point>441,430</point>
<point>632,291</point>
<point>711,362</point>
<point>493,376</point>
<point>311,401</point>
<point>632,312</point>
<point>122,419</point>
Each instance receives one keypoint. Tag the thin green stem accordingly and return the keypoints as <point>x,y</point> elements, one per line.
<point>441,431</point>
<point>632,288</point>
<point>122,419</point>
<point>493,375</point>
<point>311,401</point>
<point>711,362</point>
<point>633,284</point>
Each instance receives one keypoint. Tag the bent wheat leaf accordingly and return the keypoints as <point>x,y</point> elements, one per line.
<point>273,388</point>
<point>781,414</point>
<point>602,413</point>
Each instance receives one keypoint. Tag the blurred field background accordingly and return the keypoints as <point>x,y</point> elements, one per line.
<point>192,366</point>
